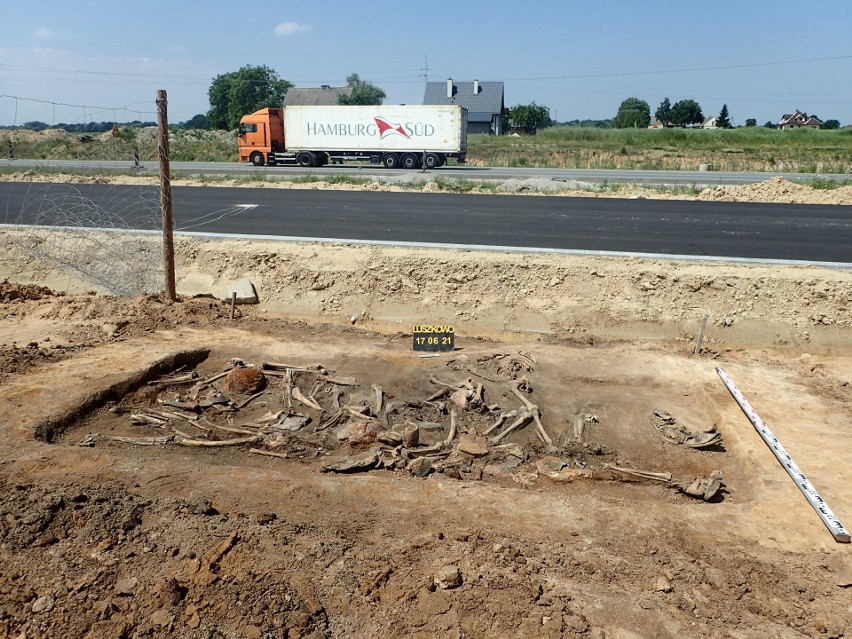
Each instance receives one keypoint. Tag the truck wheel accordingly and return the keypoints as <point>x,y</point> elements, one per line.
<point>305,159</point>
<point>410,161</point>
<point>434,161</point>
<point>390,160</point>
<point>257,159</point>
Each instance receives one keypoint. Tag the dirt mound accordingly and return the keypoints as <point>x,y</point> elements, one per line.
<point>777,190</point>
<point>11,291</point>
<point>43,326</point>
<point>15,359</point>
<point>583,297</point>
<point>491,293</point>
<point>27,136</point>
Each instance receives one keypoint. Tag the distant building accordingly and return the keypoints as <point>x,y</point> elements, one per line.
<point>324,96</point>
<point>483,101</point>
<point>708,123</point>
<point>656,124</point>
<point>797,120</point>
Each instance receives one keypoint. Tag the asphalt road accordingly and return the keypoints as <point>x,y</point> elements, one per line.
<point>816,233</point>
<point>496,174</point>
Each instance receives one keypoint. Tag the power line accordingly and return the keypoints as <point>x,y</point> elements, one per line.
<point>689,70</point>
<point>103,73</point>
<point>425,69</point>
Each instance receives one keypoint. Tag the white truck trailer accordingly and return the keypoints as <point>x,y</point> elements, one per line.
<point>397,136</point>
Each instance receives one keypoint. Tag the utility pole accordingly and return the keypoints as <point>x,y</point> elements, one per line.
<point>424,72</point>
<point>166,195</point>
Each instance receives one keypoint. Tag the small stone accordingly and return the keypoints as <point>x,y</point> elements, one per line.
<point>551,464</point>
<point>663,584</point>
<point>448,577</point>
<point>266,518</point>
<point>193,621</point>
<point>245,380</point>
<point>842,572</point>
<point>389,437</point>
<point>514,450</point>
<point>502,467</point>
<point>420,467</point>
<point>357,433</point>
<point>253,632</point>
<point>574,624</point>
<point>245,290</point>
<point>473,444</point>
<point>162,617</point>
<point>43,604</point>
<point>365,461</point>
<point>475,473</point>
<point>127,587</point>
<point>201,506</point>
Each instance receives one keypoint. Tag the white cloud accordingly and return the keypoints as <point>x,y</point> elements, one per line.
<point>47,33</point>
<point>289,28</point>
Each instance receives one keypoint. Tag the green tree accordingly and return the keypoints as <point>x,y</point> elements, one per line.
<point>686,112</point>
<point>830,125</point>
<point>530,117</point>
<point>362,92</point>
<point>769,124</point>
<point>751,122</point>
<point>233,95</point>
<point>664,113</point>
<point>633,113</point>
<point>199,121</point>
<point>723,121</point>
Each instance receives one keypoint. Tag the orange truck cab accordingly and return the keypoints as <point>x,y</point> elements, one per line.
<point>260,134</point>
<point>396,136</point>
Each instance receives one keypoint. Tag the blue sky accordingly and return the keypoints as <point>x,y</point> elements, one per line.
<point>580,59</point>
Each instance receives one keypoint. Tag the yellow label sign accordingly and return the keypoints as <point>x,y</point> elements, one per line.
<point>431,337</point>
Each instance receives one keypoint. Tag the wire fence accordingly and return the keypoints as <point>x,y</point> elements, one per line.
<point>97,242</point>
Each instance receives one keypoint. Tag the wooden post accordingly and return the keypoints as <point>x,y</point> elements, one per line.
<point>166,195</point>
<point>700,335</point>
<point>233,303</point>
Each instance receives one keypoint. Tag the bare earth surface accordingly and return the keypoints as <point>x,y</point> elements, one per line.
<point>384,497</point>
<point>775,189</point>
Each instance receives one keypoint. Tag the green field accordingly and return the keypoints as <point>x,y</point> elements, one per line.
<point>745,149</point>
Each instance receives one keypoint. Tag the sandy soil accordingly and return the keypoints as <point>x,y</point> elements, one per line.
<point>456,535</point>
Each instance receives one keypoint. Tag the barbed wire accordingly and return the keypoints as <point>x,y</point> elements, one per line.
<point>210,218</point>
<point>88,110</point>
<point>97,243</point>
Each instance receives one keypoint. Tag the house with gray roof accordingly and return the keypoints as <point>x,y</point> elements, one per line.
<point>483,101</point>
<point>324,96</point>
<point>798,119</point>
